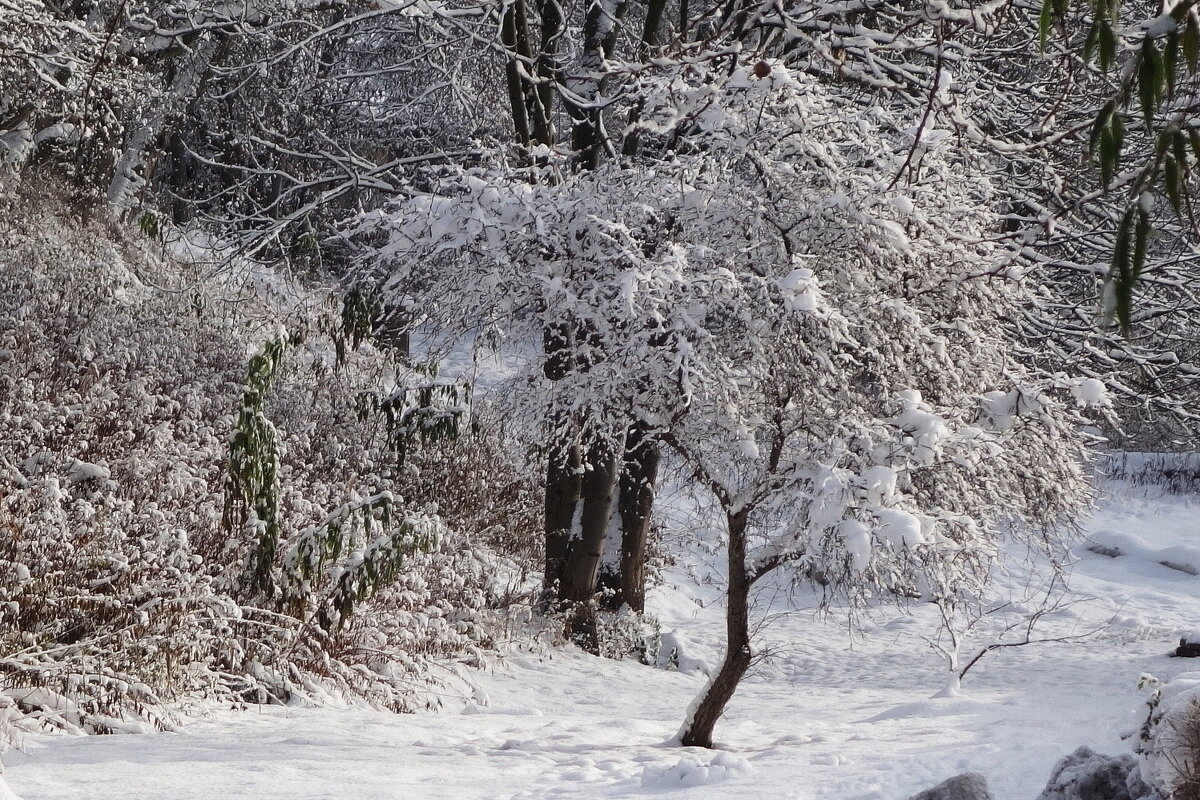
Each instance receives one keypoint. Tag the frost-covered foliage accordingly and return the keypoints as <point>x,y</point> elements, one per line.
<point>1174,473</point>
<point>122,376</point>
<point>820,341</point>
<point>1169,740</point>
<point>805,300</point>
<point>69,84</point>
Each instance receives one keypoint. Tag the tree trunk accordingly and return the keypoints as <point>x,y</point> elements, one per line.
<point>646,49</point>
<point>636,501</point>
<point>516,41</point>
<point>586,545</point>
<point>542,112</point>
<point>563,482</point>
<point>697,731</point>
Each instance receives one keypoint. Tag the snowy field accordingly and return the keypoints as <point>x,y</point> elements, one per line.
<point>825,715</point>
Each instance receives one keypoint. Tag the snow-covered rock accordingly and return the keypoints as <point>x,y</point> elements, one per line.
<point>1088,775</point>
<point>968,786</point>
<point>691,771</point>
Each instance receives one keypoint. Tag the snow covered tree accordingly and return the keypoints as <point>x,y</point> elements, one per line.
<point>873,424</point>
<point>825,348</point>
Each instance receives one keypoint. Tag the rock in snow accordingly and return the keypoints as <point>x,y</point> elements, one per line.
<point>1088,775</point>
<point>1189,646</point>
<point>968,786</point>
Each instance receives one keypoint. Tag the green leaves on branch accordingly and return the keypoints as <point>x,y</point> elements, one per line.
<point>1101,39</point>
<point>336,565</point>
<point>252,476</point>
<point>362,307</point>
<point>1052,11</point>
<point>357,551</point>
<point>1169,48</point>
<point>1129,260</point>
<point>1108,135</point>
<point>419,414</point>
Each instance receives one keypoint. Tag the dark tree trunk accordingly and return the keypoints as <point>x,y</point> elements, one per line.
<point>542,111</point>
<point>699,730</point>
<point>596,496</point>
<point>586,549</point>
<point>649,43</point>
<point>636,502</point>
<point>514,33</point>
<point>563,482</point>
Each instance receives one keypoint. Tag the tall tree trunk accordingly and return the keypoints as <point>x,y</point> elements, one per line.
<point>635,504</point>
<point>600,28</point>
<point>586,547</point>
<point>564,470</point>
<point>697,731</point>
<point>649,43</point>
<point>541,111</point>
<point>563,483</point>
<point>514,34</point>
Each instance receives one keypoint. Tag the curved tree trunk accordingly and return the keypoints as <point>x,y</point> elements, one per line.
<point>697,731</point>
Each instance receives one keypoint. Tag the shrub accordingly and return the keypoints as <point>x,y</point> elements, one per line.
<point>122,379</point>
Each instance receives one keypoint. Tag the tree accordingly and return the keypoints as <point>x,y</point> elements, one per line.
<point>870,421</point>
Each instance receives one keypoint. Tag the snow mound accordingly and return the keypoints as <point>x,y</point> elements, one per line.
<point>942,705</point>
<point>1180,557</point>
<point>692,770</point>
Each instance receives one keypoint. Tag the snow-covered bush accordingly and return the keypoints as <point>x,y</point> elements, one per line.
<point>69,84</point>
<point>121,378</point>
<point>1169,739</point>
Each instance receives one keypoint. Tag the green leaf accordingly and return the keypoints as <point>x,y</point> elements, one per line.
<point>1108,46</point>
<point>1045,21</point>
<point>1120,274</point>
<point>1103,120</point>
<point>1191,42</point>
<point>1172,184</point>
<point>1141,241</point>
<point>1179,140</point>
<point>1149,80</point>
<point>1108,157</point>
<point>1092,43</point>
<point>1194,136</point>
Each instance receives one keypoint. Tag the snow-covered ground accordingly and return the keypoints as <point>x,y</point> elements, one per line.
<point>826,715</point>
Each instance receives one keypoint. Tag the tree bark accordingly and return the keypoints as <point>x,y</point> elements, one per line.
<point>542,111</point>
<point>698,730</point>
<point>586,545</point>
<point>564,474</point>
<point>516,41</point>
<point>635,504</point>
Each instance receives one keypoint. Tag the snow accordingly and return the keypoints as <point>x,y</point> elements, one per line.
<point>1091,392</point>
<point>825,715</point>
